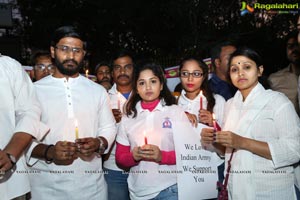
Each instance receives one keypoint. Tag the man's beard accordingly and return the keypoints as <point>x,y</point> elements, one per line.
<point>69,71</point>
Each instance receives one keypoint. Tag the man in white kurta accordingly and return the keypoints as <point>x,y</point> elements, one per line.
<point>62,102</point>
<point>78,112</point>
<point>117,101</point>
<point>122,73</point>
<point>19,112</point>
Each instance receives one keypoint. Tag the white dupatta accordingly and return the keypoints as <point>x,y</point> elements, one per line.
<point>240,117</point>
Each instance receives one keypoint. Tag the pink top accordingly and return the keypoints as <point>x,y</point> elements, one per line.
<point>150,105</point>
<point>124,156</point>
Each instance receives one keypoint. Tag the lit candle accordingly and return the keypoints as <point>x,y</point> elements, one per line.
<point>145,138</point>
<point>119,101</point>
<point>87,73</point>
<point>214,122</point>
<point>201,100</point>
<point>76,129</point>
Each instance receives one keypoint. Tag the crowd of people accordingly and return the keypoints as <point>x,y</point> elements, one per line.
<point>67,137</point>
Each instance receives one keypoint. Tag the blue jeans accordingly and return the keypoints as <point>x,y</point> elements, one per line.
<point>170,193</point>
<point>297,193</point>
<point>116,184</point>
<point>221,169</point>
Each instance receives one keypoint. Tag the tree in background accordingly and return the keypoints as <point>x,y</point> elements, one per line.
<point>167,30</point>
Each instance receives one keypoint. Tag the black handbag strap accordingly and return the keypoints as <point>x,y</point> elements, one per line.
<point>228,169</point>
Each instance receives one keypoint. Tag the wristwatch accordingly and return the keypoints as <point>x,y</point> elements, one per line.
<point>12,159</point>
<point>102,147</point>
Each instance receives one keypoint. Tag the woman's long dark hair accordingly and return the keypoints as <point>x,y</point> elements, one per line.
<point>165,93</point>
<point>204,86</point>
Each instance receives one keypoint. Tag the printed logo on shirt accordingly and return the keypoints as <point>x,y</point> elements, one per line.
<point>167,123</point>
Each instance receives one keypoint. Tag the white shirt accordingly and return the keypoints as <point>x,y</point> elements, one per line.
<point>270,117</point>
<point>117,101</point>
<point>19,112</point>
<point>64,101</point>
<point>145,180</point>
<point>193,106</point>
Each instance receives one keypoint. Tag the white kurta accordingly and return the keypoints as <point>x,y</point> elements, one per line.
<point>193,106</point>
<point>116,100</point>
<point>19,112</point>
<point>64,101</point>
<point>147,179</point>
<point>266,116</point>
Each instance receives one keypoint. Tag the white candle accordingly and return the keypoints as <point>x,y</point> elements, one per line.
<point>214,122</point>
<point>119,101</point>
<point>76,129</point>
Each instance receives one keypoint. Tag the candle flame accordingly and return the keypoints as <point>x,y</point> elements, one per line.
<point>201,92</point>
<point>76,123</point>
<point>213,116</point>
<point>144,132</point>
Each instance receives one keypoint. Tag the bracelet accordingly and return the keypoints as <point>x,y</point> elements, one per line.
<point>101,148</point>
<point>48,160</point>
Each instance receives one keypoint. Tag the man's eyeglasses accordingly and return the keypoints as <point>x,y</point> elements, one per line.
<point>126,68</point>
<point>66,49</point>
<point>42,67</point>
<point>195,74</point>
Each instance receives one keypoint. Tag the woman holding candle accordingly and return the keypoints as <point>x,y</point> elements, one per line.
<point>145,139</point>
<point>196,98</point>
<point>198,101</point>
<point>263,129</point>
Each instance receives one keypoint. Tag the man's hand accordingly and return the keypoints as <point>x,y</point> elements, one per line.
<point>5,163</point>
<point>63,153</point>
<point>87,146</point>
<point>117,114</point>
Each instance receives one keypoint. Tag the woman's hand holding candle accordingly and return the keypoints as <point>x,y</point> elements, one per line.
<point>150,152</point>
<point>205,117</point>
<point>136,153</point>
<point>209,141</point>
